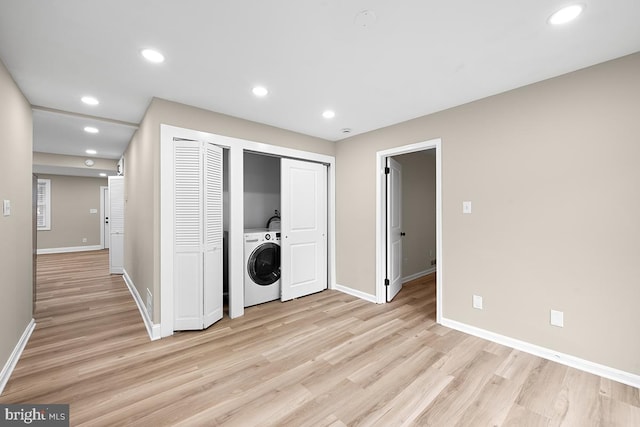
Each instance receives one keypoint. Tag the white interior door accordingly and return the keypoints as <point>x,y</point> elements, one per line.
<point>105,217</point>
<point>394,228</point>
<point>303,262</point>
<point>197,278</point>
<point>116,224</point>
<point>213,214</point>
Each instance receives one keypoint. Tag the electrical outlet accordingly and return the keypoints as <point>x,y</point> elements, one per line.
<point>466,207</point>
<point>477,302</point>
<point>84,240</point>
<point>557,318</point>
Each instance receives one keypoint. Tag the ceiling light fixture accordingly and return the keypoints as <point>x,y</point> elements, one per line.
<point>103,174</point>
<point>260,91</point>
<point>91,151</point>
<point>91,129</point>
<point>90,100</point>
<point>566,14</point>
<point>152,55</point>
<point>89,163</point>
<point>329,114</point>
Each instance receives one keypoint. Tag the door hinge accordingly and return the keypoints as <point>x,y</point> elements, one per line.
<point>386,282</point>
<point>387,171</point>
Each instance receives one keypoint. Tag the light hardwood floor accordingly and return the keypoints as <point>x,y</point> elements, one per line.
<point>324,360</point>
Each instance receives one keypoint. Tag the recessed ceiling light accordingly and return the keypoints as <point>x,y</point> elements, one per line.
<point>328,114</point>
<point>566,14</point>
<point>90,100</point>
<point>260,91</point>
<point>91,152</point>
<point>103,174</point>
<point>152,55</point>
<point>91,129</point>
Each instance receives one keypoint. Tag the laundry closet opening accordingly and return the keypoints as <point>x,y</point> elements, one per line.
<point>285,228</point>
<point>214,188</point>
<point>262,231</point>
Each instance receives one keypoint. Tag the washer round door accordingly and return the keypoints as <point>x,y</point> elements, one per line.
<point>264,264</point>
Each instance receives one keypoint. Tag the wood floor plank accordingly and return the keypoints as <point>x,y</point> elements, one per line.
<point>327,359</point>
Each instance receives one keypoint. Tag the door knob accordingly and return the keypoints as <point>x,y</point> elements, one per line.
<point>402,234</point>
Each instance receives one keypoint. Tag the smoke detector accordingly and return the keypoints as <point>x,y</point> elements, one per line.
<point>365,18</point>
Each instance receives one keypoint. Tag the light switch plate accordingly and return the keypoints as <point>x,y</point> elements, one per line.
<point>466,207</point>
<point>93,211</point>
<point>6,207</point>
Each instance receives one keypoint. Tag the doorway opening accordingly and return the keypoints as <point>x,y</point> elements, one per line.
<point>389,228</point>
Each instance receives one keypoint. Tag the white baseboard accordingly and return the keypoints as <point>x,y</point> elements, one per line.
<point>564,359</point>
<point>356,293</point>
<point>69,249</point>
<point>418,274</point>
<point>152,329</point>
<point>15,355</point>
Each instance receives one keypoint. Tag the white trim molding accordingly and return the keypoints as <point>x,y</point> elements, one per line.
<point>565,359</point>
<point>69,249</point>
<point>8,368</point>
<point>152,329</point>
<point>355,293</point>
<point>418,274</point>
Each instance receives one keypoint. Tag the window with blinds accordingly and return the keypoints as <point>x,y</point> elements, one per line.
<point>44,204</point>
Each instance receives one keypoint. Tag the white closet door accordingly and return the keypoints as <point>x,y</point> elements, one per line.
<point>188,235</point>
<point>116,231</point>
<point>304,228</point>
<point>212,290</point>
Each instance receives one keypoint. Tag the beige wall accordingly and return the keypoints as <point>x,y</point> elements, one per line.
<point>418,211</point>
<point>71,199</point>
<point>142,179</point>
<point>552,171</point>
<point>64,162</point>
<point>15,230</point>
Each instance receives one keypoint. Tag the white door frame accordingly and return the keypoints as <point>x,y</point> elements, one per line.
<point>236,148</point>
<point>381,216</point>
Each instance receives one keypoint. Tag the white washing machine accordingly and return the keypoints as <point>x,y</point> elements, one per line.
<point>262,266</point>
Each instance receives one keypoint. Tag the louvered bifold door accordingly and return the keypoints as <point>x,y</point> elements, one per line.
<point>188,235</point>
<point>212,234</point>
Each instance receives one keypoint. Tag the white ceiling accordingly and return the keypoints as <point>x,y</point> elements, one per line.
<point>415,58</point>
